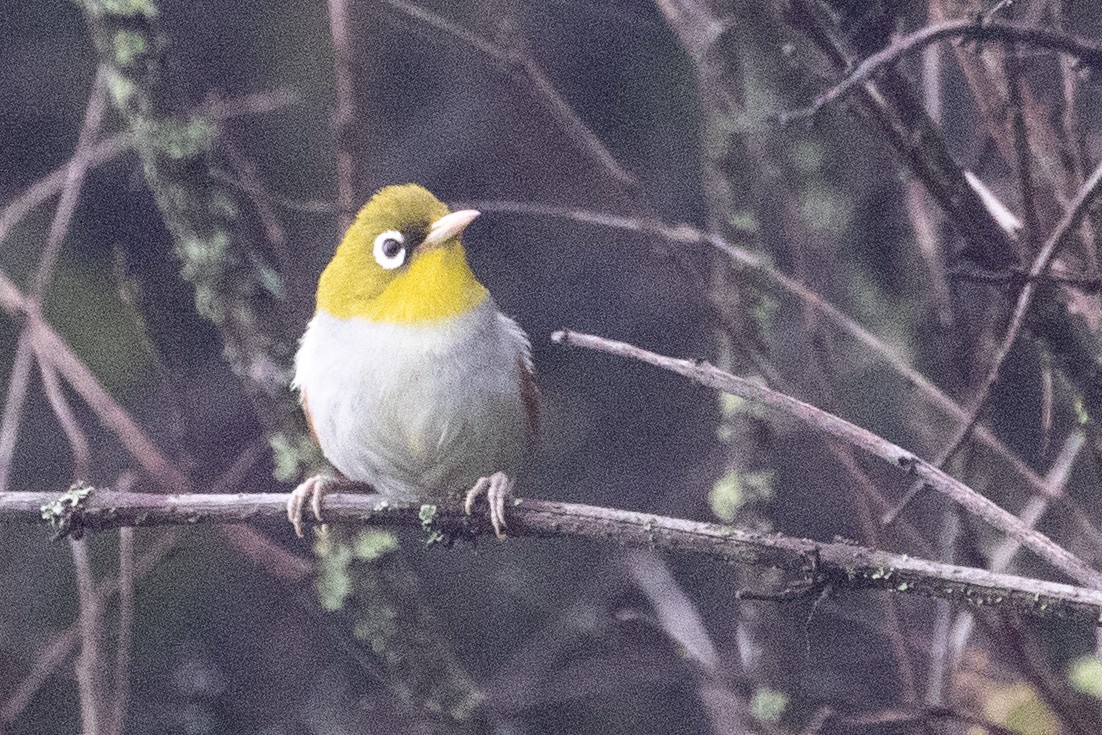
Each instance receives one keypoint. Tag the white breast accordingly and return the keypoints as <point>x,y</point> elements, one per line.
<point>417,411</point>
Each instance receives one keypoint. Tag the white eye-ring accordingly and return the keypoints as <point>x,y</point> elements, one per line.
<point>390,249</point>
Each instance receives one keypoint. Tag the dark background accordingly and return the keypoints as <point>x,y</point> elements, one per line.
<point>555,631</point>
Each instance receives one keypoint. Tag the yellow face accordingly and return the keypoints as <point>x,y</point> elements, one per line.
<point>401,261</point>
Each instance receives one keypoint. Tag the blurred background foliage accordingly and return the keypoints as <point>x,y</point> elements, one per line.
<point>560,636</point>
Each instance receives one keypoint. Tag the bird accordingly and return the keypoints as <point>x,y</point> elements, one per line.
<point>411,378</point>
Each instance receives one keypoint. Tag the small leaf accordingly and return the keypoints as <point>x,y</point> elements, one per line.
<point>1085,675</point>
<point>768,705</point>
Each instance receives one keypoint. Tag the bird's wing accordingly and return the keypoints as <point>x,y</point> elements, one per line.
<point>309,418</point>
<point>529,397</point>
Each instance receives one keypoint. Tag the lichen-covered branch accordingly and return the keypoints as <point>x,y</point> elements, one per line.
<point>242,295</point>
<point>235,288</point>
<point>812,565</point>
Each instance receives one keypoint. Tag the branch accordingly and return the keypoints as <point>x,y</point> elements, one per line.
<point>109,148</point>
<point>281,564</point>
<point>1064,231</point>
<point>516,60</point>
<point>344,117</point>
<point>1087,52</point>
<point>889,104</point>
<point>976,504</point>
<point>235,287</point>
<point>840,565</point>
<point>682,233</point>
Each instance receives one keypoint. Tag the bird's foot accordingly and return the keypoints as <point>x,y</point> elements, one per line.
<point>497,487</point>
<point>310,491</point>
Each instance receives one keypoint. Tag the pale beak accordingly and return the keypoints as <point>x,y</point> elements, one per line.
<point>449,226</point>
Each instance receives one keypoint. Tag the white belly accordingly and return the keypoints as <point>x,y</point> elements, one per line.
<point>416,411</point>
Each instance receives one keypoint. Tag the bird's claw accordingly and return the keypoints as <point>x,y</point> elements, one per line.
<point>310,491</point>
<point>497,488</point>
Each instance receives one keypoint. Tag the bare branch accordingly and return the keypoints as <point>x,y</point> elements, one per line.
<point>815,418</point>
<point>1064,231</point>
<point>41,191</point>
<point>89,664</point>
<point>120,692</point>
<point>345,114</point>
<point>925,716</point>
<point>57,650</point>
<point>105,150</point>
<point>682,233</point>
<point>74,182</point>
<point>1087,52</point>
<point>50,346</point>
<point>837,565</point>
<point>66,417</point>
<point>515,59</point>
<point>280,563</point>
<point>18,382</point>
<point>1002,556</point>
<point>899,117</point>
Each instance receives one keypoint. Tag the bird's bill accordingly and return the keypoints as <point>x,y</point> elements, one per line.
<point>450,225</point>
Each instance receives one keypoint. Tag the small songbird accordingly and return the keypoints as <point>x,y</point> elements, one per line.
<point>410,377</point>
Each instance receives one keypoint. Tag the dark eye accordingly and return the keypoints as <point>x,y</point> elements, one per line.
<point>390,249</point>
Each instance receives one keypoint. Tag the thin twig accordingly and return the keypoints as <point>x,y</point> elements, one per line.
<point>246,179</point>
<point>276,560</point>
<point>1015,276</point>
<point>52,183</point>
<point>925,717</point>
<point>59,226</point>
<point>871,535</point>
<point>281,563</point>
<point>74,183</point>
<point>56,651</point>
<point>50,347</point>
<point>18,382</point>
<point>53,350</point>
<point>939,649</point>
<point>1005,552</point>
<point>89,664</point>
<point>1059,237</point>
<point>1019,645</point>
<point>1075,158</point>
<point>49,659</point>
<point>859,476</point>
<point>49,185</point>
<point>842,565</point>
<point>925,229</point>
<point>674,609</point>
<point>515,59</point>
<point>257,103</point>
<point>1087,52</point>
<point>682,233</point>
<point>120,692</point>
<point>78,440</point>
<point>345,114</point>
<point>1015,79</point>
<point>815,418</point>
<point>678,618</point>
<point>892,108</point>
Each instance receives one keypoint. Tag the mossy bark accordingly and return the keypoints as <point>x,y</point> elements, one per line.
<point>236,289</point>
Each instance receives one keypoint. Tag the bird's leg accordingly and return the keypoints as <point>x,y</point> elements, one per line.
<point>497,487</point>
<point>309,491</point>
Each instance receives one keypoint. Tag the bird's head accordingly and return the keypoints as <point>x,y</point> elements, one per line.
<point>401,261</point>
